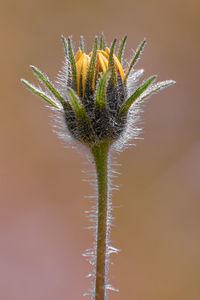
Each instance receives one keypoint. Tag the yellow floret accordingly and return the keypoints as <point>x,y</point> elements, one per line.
<point>83,61</point>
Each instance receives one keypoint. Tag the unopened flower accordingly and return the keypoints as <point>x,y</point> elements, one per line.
<point>98,91</point>
<point>98,96</point>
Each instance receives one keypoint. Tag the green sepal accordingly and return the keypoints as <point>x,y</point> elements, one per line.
<point>135,58</point>
<point>111,64</point>
<point>77,105</point>
<point>102,43</point>
<point>121,48</point>
<point>73,64</point>
<point>40,93</point>
<point>48,84</point>
<point>127,104</point>
<point>101,90</point>
<point>92,65</point>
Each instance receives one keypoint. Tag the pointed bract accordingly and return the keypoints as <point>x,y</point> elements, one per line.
<point>121,48</point>
<point>40,93</point>
<point>48,84</point>
<point>101,90</point>
<point>76,104</point>
<point>82,43</point>
<point>135,58</point>
<point>154,88</point>
<point>111,64</point>
<point>72,62</point>
<point>102,42</point>
<point>65,45</point>
<point>127,104</point>
<point>91,69</point>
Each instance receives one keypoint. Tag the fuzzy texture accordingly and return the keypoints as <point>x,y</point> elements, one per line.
<point>86,120</point>
<point>97,101</point>
<point>92,215</point>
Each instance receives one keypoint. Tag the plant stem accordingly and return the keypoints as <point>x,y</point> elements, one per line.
<point>100,153</point>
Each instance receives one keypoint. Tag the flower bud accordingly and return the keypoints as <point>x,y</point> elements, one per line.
<point>97,94</point>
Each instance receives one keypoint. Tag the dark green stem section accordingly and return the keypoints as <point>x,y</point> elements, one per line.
<point>100,153</point>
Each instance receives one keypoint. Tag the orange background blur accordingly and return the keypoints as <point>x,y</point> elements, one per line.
<point>42,191</point>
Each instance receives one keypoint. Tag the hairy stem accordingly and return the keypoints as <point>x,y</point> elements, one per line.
<point>100,153</point>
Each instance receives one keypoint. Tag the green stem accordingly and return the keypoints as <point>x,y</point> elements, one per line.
<point>100,153</point>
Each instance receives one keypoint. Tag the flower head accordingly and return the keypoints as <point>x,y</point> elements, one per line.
<point>97,92</point>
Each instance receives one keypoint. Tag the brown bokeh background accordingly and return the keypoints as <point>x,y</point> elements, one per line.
<point>42,202</point>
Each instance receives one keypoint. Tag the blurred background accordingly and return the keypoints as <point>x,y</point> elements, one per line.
<point>42,187</point>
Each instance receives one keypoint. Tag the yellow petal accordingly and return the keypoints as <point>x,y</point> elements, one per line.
<point>78,54</point>
<point>78,74</point>
<point>85,64</point>
<point>104,53</point>
<point>107,50</point>
<point>101,62</point>
<point>82,63</point>
<point>105,60</point>
<point>118,66</point>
